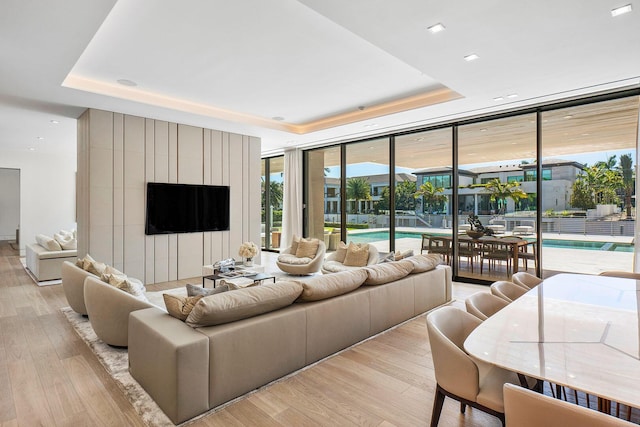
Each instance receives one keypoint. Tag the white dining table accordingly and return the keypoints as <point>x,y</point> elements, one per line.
<point>574,330</point>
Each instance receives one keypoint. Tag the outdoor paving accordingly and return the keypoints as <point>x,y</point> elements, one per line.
<point>554,260</point>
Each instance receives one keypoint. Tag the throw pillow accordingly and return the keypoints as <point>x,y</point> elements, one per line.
<point>108,271</point>
<point>48,242</point>
<point>128,285</point>
<point>380,274</point>
<point>341,252</point>
<point>307,248</point>
<point>195,290</point>
<point>96,268</point>
<point>388,258</point>
<point>294,244</point>
<point>67,242</point>
<point>180,307</point>
<point>85,262</point>
<point>243,303</point>
<point>357,256</point>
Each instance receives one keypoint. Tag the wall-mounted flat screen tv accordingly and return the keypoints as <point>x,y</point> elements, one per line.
<point>186,208</point>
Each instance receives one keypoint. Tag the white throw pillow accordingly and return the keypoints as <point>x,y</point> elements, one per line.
<point>66,241</point>
<point>48,243</point>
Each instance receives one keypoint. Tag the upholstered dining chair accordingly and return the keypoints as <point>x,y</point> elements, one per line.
<point>525,408</point>
<point>458,376</point>
<point>508,291</point>
<point>525,280</point>
<point>484,305</point>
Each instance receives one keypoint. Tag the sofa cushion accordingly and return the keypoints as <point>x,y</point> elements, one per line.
<point>292,259</point>
<point>243,303</point>
<point>357,255</point>
<point>341,252</point>
<point>48,242</point>
<point>307,248</point>
<point>108,271</point>
<point>335,266</point>
<point>179,306</point>
<point>422,263</point>
<point>388,257</point>
<point>402,255</point>
<point>380,274</point>
<point>96,268</point>
<point>196,290</point>
<point>331,285</point>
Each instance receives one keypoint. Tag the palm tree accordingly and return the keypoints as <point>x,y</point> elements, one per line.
<point>501,191</point>
<point>358,189</point>
<point>628,181</point>
<point>431,195</point>
<point>608,164</point>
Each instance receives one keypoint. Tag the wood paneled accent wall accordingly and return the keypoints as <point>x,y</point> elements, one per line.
<point>118,154</point>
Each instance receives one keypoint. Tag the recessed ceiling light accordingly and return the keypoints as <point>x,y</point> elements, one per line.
<point>621,10</point>
<point>436,28</point>
<point>278,118</point>
<point>471,57</point>
<point>39,138</point>
<point>32,149</point>
<point>568,116</point>
<point>498,98</point>
<point>126,82</point>
<point>512,95</point>
<point>55,122</point>
<point>483,130</point>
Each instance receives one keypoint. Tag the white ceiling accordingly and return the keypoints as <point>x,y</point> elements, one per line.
<point>235,66</point>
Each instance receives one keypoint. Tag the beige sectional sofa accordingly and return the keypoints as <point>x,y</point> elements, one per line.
<point>188,370</point>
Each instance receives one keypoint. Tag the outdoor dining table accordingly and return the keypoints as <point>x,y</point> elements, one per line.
<point>573,330</point>
<point>514,244</point>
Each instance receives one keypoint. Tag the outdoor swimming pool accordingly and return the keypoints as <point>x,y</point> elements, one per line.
<point>374,236</point>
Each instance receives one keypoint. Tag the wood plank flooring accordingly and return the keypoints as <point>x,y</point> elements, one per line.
<point>49,377</point>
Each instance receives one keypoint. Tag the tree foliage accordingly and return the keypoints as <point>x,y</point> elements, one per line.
<point>358,189</point>
<point>501,191</point>
<point>405,200</point>
<point>432,196</point>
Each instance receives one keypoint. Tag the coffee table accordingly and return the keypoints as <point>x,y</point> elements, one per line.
<point>257,278</point>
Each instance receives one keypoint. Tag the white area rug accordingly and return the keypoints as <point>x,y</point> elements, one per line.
<point>23,261</point>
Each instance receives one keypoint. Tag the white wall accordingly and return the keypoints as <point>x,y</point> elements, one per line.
<point>47,191</point>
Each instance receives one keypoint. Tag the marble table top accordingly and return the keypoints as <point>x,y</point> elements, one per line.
<point>579,331</point>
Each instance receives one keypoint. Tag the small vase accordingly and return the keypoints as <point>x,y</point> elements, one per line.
<point>248,262</point>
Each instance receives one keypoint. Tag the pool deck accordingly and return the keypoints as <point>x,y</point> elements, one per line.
<point>553,259</point>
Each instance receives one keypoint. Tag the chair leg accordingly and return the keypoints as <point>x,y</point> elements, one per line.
<point>463,407</point>
<point>437,406</point>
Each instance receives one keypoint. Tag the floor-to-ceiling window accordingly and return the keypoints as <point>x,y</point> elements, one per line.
<point>556,178</point>
<point>367,193</point>
<point>424,188</point>
<point>588,186</point>
<point>493,159</point>
<point>272,194</point>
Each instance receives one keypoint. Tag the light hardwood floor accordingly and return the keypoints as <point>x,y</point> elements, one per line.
<point>49,377</point>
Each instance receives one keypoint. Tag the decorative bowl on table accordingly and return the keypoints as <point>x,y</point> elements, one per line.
<point>474,234</point>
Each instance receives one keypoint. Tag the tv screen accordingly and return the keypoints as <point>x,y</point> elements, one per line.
<point>186,208</point>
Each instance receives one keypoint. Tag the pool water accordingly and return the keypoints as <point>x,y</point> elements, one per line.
<point>374,236</point>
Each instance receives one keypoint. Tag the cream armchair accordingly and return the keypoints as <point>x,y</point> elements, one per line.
<point>332,265</point>
<point>73,286</point>
<point>108,308</point>
<point>458,376</point>
<point>289,263</point>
